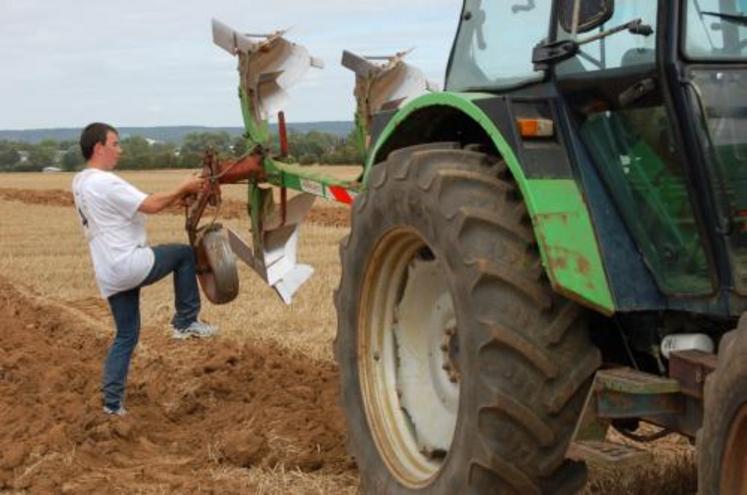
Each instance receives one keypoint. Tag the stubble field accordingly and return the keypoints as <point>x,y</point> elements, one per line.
<point>252,411</point>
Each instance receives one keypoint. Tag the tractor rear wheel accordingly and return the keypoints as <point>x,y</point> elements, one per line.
<point>722,442</point>
<point>461,370</point>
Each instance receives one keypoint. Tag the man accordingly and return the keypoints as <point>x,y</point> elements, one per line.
<point>111,215</point>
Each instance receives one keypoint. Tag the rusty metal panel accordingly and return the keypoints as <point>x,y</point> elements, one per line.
<point>690,369</point>
<point>686,423</point>
<point>611,404</point>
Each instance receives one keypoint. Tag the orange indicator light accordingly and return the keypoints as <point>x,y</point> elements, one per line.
<point>536,128</point>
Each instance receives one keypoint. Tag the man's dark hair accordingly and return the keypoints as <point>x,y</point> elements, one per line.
<point>92,134</point>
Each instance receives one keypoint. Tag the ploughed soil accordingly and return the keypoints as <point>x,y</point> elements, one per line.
<point>230,208</point>
<point>199,411</point>
<point>196,408</point>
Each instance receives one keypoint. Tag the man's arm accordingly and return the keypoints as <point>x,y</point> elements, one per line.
<point>158,201</point>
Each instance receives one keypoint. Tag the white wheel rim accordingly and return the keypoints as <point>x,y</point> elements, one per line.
<point>408,357</point>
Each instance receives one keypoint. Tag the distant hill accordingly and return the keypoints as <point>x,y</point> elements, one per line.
<point>173,134</point>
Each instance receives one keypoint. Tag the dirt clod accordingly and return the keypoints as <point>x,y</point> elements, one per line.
<point>245,447</point>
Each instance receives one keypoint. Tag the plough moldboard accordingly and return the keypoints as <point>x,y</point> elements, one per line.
<point>268,64</point>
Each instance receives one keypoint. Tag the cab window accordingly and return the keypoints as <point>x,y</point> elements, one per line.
<point>493,48</point>
<point>622,49</point>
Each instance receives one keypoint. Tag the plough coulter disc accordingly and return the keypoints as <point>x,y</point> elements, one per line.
<point>218,276</point>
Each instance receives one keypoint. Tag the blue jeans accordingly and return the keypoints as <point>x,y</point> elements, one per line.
<point>125,306</point>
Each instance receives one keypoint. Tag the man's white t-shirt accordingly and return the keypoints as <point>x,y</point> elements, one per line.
<point>107,206</point>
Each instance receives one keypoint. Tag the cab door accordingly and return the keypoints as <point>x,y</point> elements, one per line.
<point>614,94</point>
<point>709,64</point>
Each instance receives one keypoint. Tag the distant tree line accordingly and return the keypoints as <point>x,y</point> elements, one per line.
<point>140,153</point>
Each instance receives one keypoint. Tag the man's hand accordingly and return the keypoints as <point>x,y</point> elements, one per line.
<point>160,200</point>
<point>191,185</point>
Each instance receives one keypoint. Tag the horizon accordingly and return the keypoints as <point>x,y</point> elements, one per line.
<point>170,134</point>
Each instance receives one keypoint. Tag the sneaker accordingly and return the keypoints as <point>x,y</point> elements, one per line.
<point>120,411</point>
<point>197,328</point>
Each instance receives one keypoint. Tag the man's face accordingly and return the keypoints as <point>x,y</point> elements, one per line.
<point>109,152</point>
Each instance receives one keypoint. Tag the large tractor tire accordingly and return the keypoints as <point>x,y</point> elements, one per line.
<point>461,370</point>
<point>722,441</point>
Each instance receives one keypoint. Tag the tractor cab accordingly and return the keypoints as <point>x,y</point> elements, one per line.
<point>585,153</point>
<point>650,96</point>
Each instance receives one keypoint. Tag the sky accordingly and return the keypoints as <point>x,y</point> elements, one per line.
<point>65,63</point>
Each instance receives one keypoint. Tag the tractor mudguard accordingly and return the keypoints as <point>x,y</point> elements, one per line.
<point>560,218</point>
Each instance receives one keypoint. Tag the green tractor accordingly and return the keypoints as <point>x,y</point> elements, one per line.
<point>554,246</point>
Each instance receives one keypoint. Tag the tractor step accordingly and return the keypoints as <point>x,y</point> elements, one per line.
<point>619,393</point>
<point>608,454</point>
<point>629,393</point>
